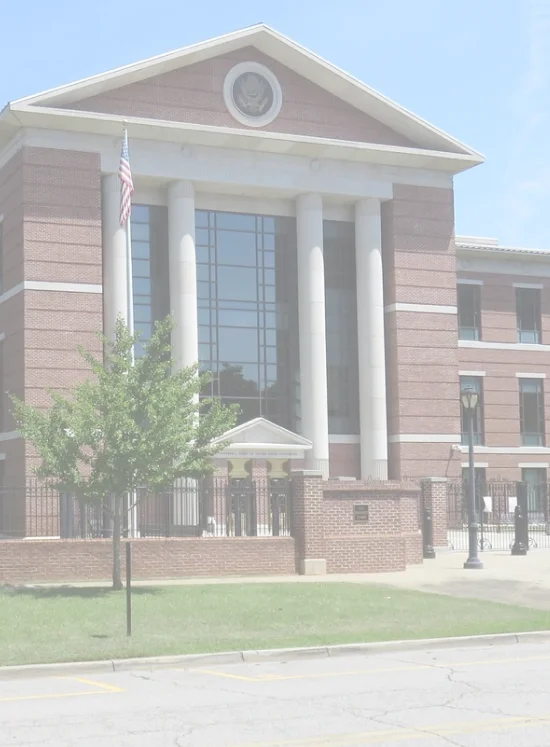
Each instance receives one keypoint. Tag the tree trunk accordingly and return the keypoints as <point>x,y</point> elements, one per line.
<point>117,522</point>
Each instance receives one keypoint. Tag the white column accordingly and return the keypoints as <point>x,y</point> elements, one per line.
<point>114,256</point>
<point>313,348</point>
<point>371,345</point>
<point>183,274</point>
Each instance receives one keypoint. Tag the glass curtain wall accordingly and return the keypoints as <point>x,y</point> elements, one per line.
<point>248,312</point>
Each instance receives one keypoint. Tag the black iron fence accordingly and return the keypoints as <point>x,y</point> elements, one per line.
<point>212,507</point>
<point>495,506</point>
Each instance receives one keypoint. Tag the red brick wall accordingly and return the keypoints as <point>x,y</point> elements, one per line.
<point>34,561</point>
<point>195,94</point>
<point>345,460</point>
<point>324,526</point>
<point>421,348</point>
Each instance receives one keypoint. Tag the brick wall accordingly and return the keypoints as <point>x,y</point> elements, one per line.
<point>421,347</point>
<point>388,541</point>
<point>34,561</point>
<point>195,94</point>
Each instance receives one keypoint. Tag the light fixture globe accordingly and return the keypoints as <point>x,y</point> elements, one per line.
<point>469,398</point>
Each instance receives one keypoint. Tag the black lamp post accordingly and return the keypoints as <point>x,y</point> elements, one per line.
<point>469,398</point>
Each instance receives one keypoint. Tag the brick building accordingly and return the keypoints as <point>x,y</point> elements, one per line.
<point>300,227</point>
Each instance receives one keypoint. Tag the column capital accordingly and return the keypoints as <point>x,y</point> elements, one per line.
<point>182,188</point>
<point>368,206</point>
<point>309,201</point>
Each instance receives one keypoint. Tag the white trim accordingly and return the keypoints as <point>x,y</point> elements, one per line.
<point>535,286</point>
<point>477,465</point>
<point>424,438</point>
<point>422,308</point>
<point>533,465</point>
<point>526,265</point>
<point>9,436</point>
<point>252,67</point>
<point>468,281</point>
<point>530,375</point>
<point>480,345</point>
<point>472,373</point>
<point>507,450</point>
<point>44,285</point>
<point>343,439</point>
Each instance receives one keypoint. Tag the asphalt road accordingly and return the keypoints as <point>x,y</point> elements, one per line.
<point>475,697</point>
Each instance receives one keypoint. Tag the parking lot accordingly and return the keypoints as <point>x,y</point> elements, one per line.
<point>472,697</point>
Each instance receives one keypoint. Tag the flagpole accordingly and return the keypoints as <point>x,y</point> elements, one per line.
<point>129,272</point>
<point>133,517</point>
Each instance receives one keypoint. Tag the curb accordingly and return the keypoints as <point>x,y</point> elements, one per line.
<point>196,661</point>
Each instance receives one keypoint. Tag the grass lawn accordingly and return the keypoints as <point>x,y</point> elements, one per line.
<point>47,625</point>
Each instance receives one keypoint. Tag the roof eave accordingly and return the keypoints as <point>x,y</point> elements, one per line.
<point>241,139</point>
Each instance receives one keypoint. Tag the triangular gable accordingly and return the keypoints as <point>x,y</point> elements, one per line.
<point>194,94</point>
<point>399,123</point>
<point>263,433</point>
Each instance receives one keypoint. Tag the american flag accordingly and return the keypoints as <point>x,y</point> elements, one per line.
<point>126,183</point>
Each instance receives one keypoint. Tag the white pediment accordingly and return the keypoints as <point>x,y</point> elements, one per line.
<point>262,437</point>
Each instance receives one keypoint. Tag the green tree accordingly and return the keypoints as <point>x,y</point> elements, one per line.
<point>131,425</point>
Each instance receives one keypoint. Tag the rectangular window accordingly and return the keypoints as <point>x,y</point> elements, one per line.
<point>528,315</point>
<point>469,311</point>
<point>531,409</point>
<point>476,383</point>
<point>534,479</point>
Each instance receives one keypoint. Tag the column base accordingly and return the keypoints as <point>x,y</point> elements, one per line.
<point>313,567</point>
<point>474,564</point>
<point>376,469</point>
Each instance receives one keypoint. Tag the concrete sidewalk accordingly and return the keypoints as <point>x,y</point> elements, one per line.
<point>523,581</point>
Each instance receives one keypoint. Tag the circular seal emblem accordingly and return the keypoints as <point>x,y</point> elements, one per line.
<point>252,94</point>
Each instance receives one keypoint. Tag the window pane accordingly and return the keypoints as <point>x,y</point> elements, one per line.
<point>528,315</point>
<point>236,248</point>
<point>140,231</point>
<point>142,286</point>
<point>237,283</point>
<point>201,218</point>
<point>140,214</point>
<point>237,318</point>
<point>236,221</point>
<point>142,313</point>
<point>144,328</point>
<point>469,311</point>
<point>141,268</point>
<point>238,344</point>
<point>140,249</point>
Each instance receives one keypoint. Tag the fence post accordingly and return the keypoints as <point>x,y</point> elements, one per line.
<point>428,552</point>
<point>521,525</point>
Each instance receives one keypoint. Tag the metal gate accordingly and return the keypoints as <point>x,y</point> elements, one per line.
<point>495,505</point>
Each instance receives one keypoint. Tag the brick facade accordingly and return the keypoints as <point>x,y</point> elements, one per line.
<point>421,348</point>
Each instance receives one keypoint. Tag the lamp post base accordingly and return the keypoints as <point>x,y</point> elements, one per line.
<point>474,563</point>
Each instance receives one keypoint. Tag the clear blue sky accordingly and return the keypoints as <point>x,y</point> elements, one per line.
<point>479,69</point>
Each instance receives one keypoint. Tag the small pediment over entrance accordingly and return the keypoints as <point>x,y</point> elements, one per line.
<point>260,439</point>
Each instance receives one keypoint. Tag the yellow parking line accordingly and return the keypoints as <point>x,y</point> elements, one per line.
<point>404,733</point>
<point>104,689</point>
<point>103,685</point>
<point>382,670</point>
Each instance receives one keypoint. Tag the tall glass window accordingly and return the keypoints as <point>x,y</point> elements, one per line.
<point>531,407</point>
<point>341,327</point>
<point>149,269</point>
<point>248,312</point>
<point>469,311</point>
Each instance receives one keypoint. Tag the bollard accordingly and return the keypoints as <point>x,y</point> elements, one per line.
<point>521,536</point>
<point>428,552</point>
